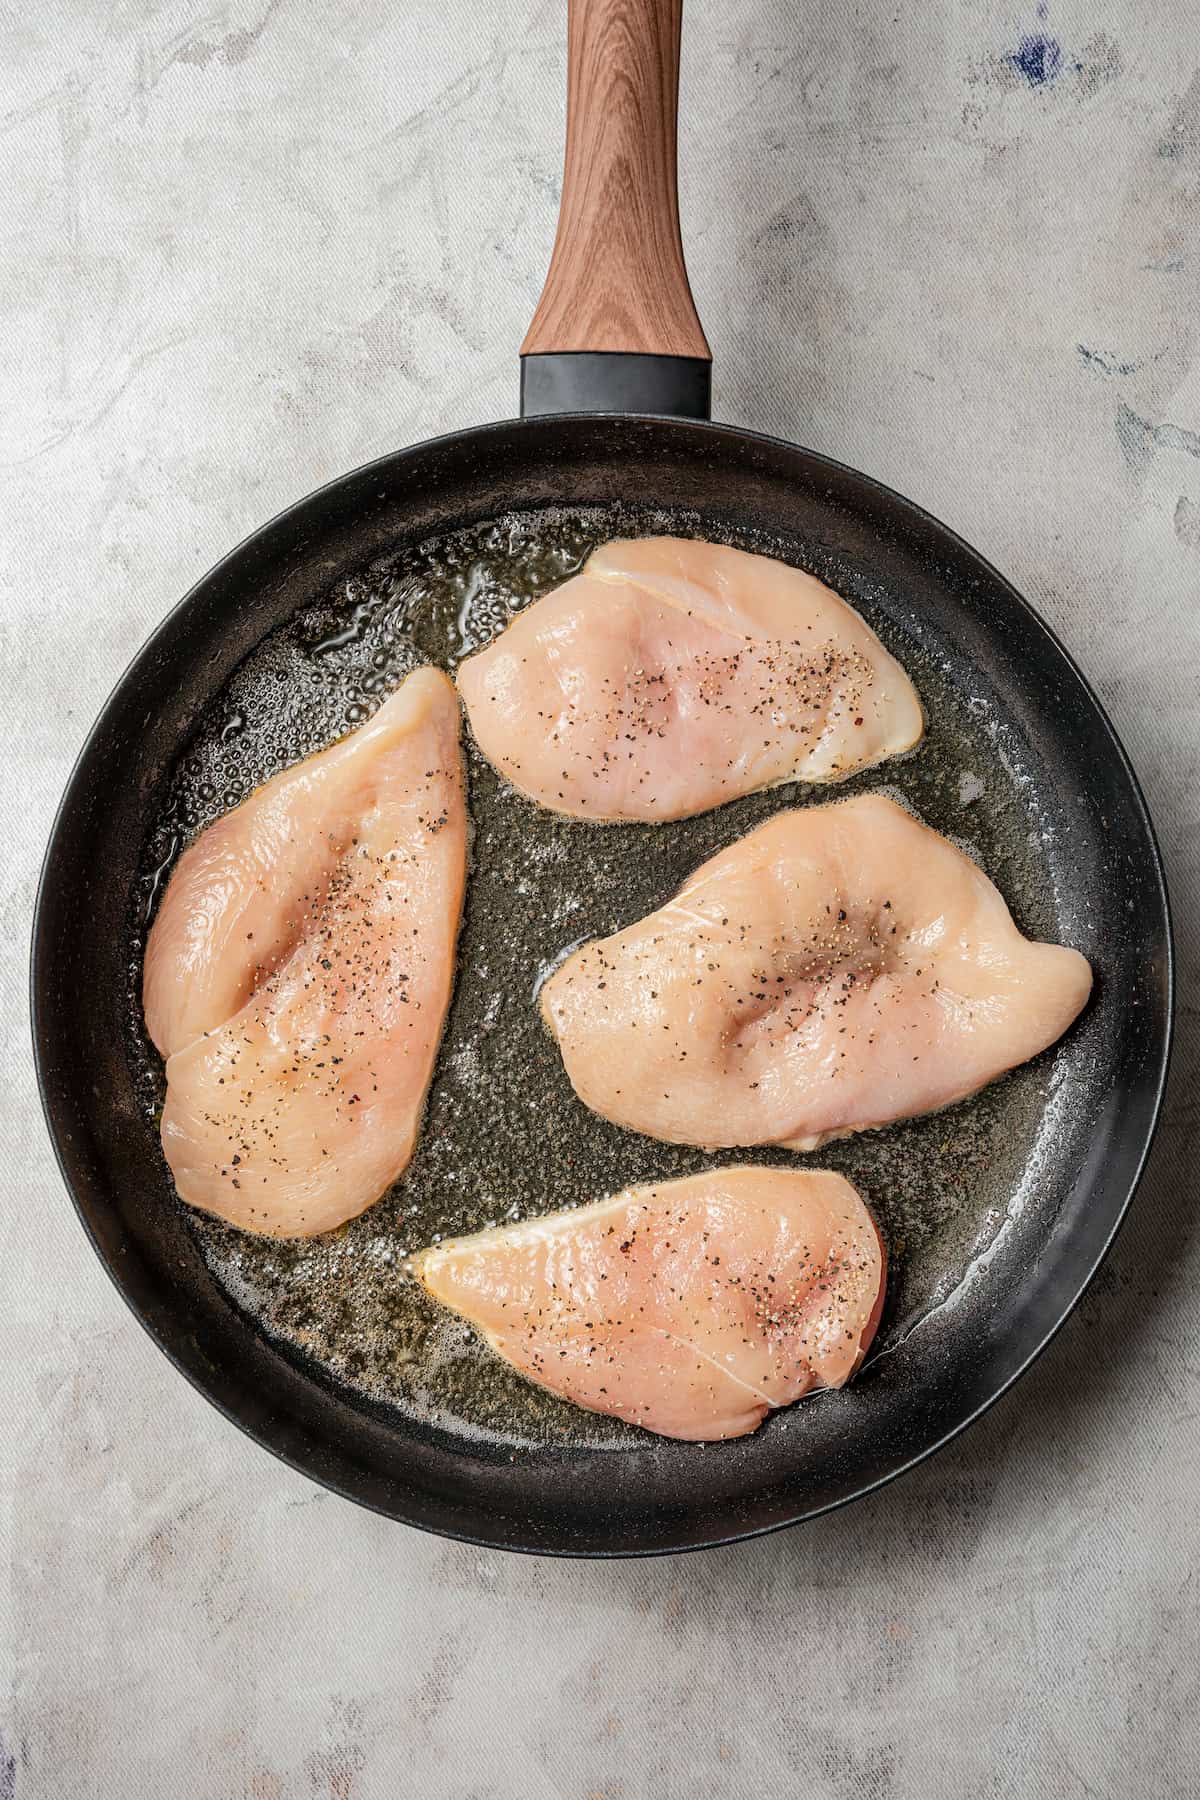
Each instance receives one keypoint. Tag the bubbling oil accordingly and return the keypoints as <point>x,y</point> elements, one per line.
<point>504,1136</point>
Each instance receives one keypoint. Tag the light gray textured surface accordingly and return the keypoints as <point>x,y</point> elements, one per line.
<point>246,245</point>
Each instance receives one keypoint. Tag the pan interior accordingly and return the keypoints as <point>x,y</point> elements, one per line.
<point>504,1136</point>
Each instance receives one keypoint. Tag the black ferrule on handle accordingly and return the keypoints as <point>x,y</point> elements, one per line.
<point>615,381</point>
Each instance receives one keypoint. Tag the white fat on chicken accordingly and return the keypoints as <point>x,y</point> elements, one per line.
<point>692,1307</point>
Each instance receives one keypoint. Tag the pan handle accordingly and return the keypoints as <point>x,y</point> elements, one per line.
<point>616,329</point>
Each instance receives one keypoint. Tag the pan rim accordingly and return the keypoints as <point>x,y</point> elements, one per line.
<point>1160,1058</point>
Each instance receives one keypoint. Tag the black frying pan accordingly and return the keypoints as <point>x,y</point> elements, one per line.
<point>1063,826</point>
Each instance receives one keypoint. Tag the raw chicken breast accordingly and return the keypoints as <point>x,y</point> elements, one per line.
<point>299,970</point>
<point>692,1308</point>
<point>672,675</point>
<point>838,968</point>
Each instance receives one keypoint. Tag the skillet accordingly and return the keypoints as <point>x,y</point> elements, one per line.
<point>1029,1184</point>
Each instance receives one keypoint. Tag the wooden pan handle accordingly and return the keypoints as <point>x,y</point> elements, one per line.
<point>617,278</point>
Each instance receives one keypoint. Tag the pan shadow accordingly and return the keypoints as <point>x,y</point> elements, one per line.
<point>761,248</point>
<point>771,207</point>
<point>1094,1410</point>
<point>763,231</point>
<point>1038,1468</point>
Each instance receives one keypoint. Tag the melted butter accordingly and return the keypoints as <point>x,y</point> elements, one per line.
<point>504,1136</point>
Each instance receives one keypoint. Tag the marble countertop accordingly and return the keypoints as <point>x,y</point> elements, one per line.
<point>250,243</point>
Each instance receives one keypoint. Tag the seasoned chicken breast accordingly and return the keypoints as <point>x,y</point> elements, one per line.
<point>691,1308</point>
<point>299,970</point>
<point>672,675</point>
<point>838,968</point>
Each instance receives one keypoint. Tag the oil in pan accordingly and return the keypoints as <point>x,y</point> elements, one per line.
<point>504,1136</point>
